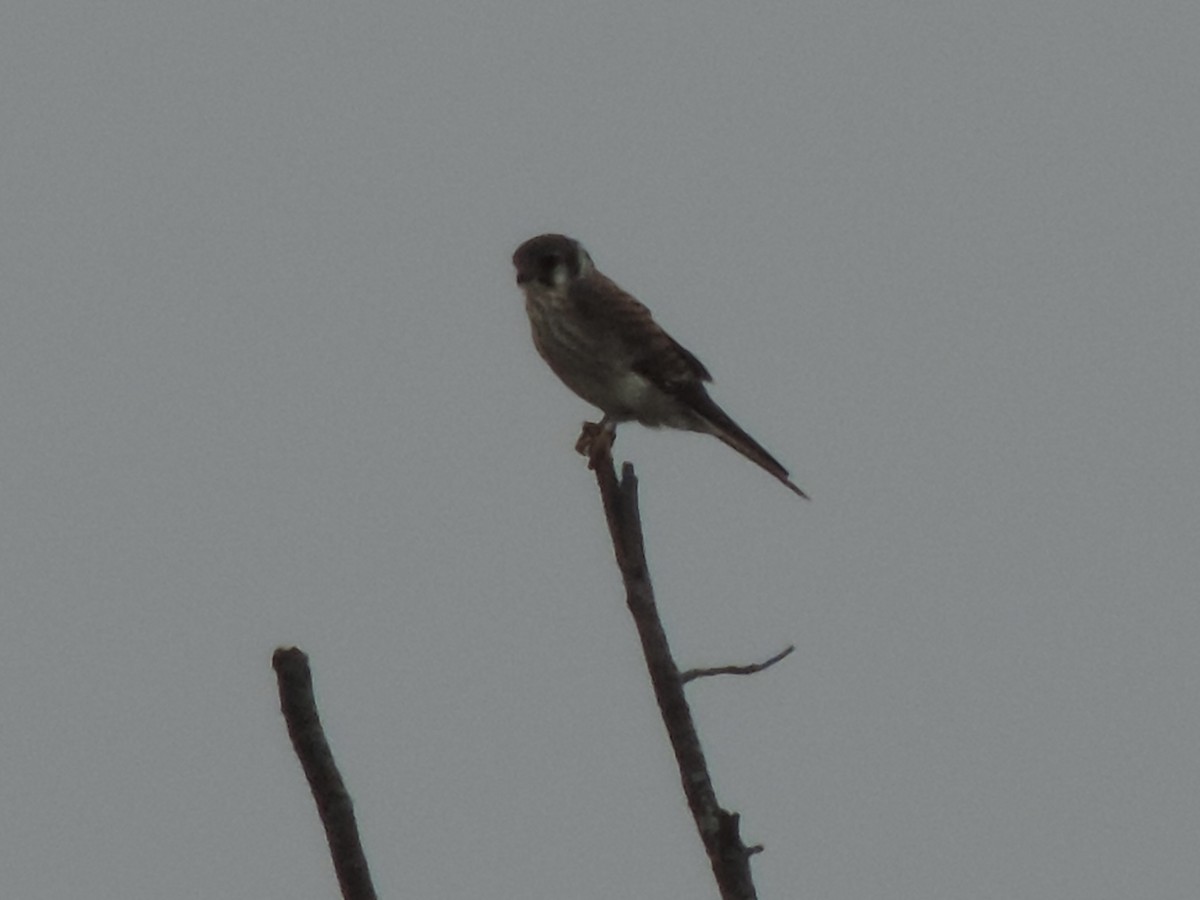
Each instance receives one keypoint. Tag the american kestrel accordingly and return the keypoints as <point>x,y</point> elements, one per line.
<point>606,347</point>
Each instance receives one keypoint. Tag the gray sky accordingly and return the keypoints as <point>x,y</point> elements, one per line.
<point>265,378</point>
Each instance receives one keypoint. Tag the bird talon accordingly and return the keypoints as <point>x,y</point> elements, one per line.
<point>587,436</point>
<point>595,441</point>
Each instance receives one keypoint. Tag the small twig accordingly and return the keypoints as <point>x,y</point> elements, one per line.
<point>692,674</point>
<point>333,802</point>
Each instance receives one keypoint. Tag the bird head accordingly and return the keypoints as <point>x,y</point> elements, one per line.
<point>551,260</point>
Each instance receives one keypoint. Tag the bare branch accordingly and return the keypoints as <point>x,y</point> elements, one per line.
<point>333,802</point>
<point>692,674</point>
<point>728,856</point>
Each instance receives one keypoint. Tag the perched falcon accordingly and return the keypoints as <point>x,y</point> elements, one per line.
<point>606,347</point>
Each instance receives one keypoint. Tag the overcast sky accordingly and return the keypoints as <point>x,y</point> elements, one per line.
<point>265,378</point>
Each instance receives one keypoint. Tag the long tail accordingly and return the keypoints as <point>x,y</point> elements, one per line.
<point>732,434</point>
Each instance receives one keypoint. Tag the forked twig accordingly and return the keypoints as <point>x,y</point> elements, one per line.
<point>718,827</point>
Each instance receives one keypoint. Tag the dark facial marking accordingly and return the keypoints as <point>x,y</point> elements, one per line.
<point>538,263</point>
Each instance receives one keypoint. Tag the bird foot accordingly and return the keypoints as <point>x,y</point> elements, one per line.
<point>596,440</point>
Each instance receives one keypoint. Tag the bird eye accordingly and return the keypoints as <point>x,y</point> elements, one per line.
<point>550,260</point>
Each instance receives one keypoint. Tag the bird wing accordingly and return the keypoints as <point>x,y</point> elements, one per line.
<point>658,357</point>
<point>655,354</point>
